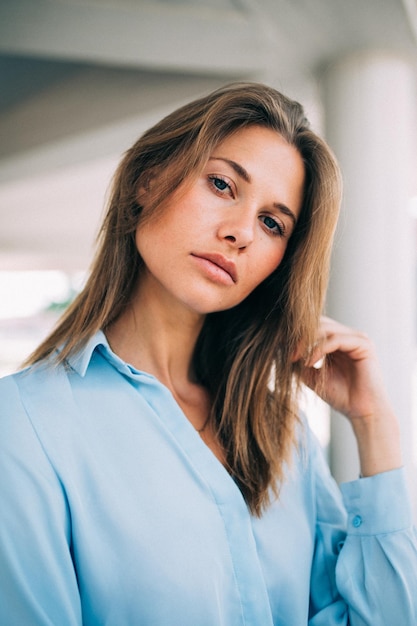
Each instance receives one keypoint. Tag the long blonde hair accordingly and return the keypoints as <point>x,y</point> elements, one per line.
<point>239,348</point>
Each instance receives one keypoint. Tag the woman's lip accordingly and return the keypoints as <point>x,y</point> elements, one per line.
<point>221,261</point>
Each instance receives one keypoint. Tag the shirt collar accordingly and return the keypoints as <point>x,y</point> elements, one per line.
<point>81,360</point>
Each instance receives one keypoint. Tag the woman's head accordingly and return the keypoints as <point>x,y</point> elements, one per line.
<point>178,147</point>
<point>222,232</point>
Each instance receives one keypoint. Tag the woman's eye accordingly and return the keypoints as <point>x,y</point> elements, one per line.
<point>220,184</point>
<point>272,225</point>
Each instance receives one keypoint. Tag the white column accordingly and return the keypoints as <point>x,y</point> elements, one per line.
<point>370,105</point>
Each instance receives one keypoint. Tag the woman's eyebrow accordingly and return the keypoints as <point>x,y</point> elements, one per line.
<point>284,209</point>
<point>240,171</point>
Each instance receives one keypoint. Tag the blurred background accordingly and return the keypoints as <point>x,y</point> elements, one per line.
<point>81,79</point>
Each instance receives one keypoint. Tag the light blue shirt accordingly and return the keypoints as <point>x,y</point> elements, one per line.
<point>114,512</point>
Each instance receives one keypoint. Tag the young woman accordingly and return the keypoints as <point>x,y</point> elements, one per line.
<point>155,469</point>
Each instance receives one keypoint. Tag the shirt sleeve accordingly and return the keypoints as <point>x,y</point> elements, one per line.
<point>365,563</point>
<point>38,585</point>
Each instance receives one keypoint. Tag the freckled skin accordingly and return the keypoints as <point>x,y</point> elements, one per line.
<point>222,213</point>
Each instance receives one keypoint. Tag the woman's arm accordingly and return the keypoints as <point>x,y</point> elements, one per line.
<point>38,585</point>
<point>376,564</point>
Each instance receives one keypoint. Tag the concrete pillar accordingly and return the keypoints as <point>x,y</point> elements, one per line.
<point>370,104</point>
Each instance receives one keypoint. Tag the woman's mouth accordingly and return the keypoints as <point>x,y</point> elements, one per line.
<point>217,266</point>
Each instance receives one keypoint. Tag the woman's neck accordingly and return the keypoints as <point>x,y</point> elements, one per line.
<point>159,338</point>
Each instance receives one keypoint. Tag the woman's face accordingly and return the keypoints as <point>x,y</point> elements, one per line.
<point>221,234</point>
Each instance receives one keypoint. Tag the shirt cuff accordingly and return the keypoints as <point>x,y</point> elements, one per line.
<point>377,504</point>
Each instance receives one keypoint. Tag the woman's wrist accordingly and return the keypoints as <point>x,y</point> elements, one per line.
<point>379,444</point>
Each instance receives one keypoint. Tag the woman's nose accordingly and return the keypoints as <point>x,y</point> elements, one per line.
<point>238,229</point>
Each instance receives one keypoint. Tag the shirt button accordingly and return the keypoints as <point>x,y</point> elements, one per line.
<point>357,521</point>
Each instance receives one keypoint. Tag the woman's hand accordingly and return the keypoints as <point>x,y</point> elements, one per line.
<point>352,384</point>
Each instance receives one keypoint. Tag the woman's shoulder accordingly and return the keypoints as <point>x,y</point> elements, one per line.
<point>30,392</point>
<point>9,393</point>
<point>43,373</point>
<point>10,385</point>
<point>50,375</point>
